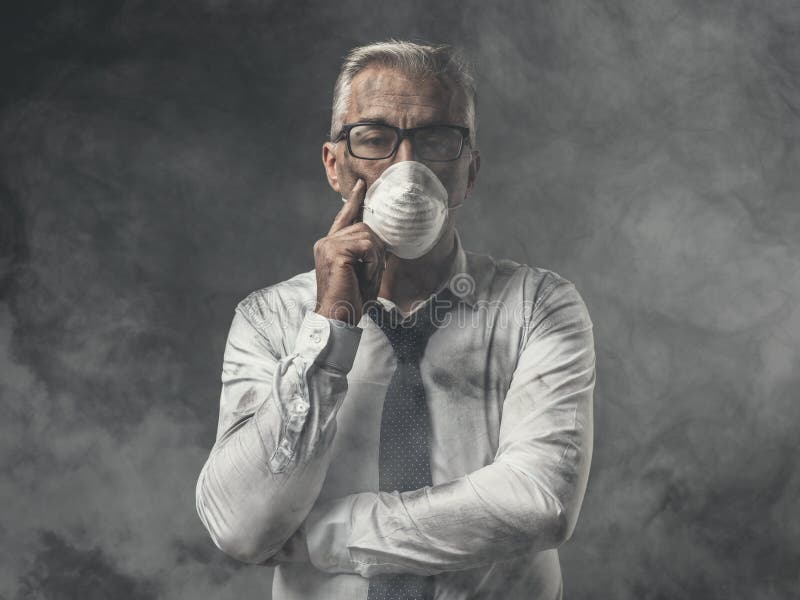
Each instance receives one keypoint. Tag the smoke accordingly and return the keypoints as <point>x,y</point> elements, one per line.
<point>159,162</point>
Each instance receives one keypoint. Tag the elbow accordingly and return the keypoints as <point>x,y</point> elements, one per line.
<point>561,518</point>
<point>240,542</point>
<point>546,515</point>
<point>549,520</point>
<point>243,547</point>
<point>542,528</point>
<point>561,526</point>
<point>239,538</point>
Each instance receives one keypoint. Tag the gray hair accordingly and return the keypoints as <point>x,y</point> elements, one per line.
<point>414,59</point>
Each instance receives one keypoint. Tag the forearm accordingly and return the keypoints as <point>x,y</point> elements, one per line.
<point>491,514</point>
<point>266,468</point>
<point>248,509</point>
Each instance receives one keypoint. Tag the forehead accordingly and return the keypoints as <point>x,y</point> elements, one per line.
<point>384,93</point>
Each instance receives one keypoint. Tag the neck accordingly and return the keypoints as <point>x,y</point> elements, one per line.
<point>405,282</point>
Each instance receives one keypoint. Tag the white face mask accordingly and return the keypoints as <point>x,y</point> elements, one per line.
<point>407,208</point>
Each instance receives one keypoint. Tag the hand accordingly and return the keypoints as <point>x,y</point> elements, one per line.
<point>349,263</point>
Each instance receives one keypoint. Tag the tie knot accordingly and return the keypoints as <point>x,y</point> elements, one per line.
<point>408,336</point>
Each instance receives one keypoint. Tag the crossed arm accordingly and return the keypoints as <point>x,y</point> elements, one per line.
<point>257,491</point>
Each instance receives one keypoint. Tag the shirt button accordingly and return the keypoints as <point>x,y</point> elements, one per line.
<point>315,337</point>
<point>299,407</point>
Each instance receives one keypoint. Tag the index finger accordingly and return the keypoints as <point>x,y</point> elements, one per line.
<point>347,215</point>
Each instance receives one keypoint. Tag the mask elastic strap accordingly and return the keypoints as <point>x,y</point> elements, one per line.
<point>459,205</point>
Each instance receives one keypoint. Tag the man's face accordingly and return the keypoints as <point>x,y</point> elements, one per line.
<point>387,95</point>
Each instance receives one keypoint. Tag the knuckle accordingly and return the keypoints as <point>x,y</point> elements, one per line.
<point>340,261</point>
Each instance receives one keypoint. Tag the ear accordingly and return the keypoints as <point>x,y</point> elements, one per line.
<point>474,167</point>
<point>329,162</point>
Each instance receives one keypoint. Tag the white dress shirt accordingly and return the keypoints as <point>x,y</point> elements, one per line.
<point>292,479</point>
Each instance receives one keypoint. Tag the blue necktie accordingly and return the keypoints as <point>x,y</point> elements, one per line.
<point>404,455</point>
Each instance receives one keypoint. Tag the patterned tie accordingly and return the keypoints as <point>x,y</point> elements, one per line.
<point>404,455</point>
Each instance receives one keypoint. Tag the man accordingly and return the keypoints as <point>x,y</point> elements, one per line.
<point>408,419</point>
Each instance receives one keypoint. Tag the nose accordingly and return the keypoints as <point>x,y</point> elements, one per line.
<point>405,151</point>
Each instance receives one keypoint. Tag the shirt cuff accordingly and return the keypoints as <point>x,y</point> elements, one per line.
<point>327,342</point>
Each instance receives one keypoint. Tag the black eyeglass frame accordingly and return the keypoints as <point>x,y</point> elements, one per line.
<point>401,135</point>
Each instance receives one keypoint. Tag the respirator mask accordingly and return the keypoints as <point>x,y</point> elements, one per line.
<point>407,208</point>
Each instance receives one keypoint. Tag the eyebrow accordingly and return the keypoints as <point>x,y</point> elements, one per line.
<point>374,120</point>
<point>382,121</point>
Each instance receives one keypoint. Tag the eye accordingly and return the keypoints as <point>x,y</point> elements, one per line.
<point>372,134</point>
<point>374,140</point>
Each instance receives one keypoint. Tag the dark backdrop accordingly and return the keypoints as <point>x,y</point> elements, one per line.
<point>160,160</point>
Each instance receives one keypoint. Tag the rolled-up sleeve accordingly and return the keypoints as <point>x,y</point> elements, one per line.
<point>276,423</point>
<point>527,499</point>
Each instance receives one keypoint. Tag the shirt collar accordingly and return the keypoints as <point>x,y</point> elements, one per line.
<point>459,281</point>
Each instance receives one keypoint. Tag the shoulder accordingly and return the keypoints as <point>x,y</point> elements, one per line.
<point>277,309</point>
<point>542,296</point>
<point>496,277</point>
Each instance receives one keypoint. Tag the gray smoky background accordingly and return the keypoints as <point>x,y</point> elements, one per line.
<point>160,160</point>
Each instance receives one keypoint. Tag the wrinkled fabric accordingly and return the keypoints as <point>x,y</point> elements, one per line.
<point>292,479</point>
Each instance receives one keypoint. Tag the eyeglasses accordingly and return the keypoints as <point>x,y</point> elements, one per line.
<point>374,141</point>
